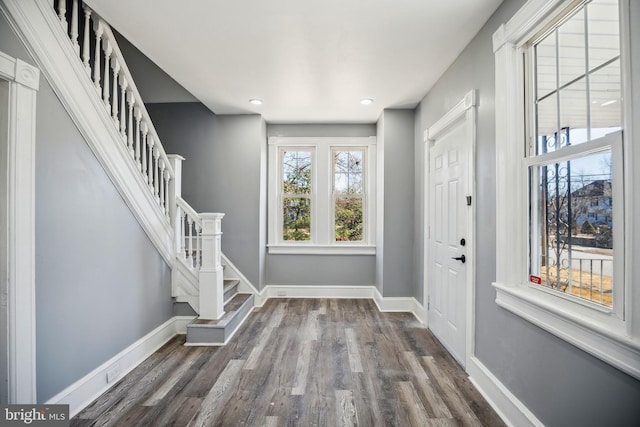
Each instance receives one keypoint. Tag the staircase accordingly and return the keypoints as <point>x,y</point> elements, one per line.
<point>79,55</point>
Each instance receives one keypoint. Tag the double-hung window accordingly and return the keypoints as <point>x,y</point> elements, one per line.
<point>322,195</point>
<point>565,188</point>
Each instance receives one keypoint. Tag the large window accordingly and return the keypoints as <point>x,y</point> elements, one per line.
<point>322,195</point>
<point>567,195</point>
<point>576,124</point>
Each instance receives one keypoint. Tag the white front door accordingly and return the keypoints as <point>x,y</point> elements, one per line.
<point>448,240</point>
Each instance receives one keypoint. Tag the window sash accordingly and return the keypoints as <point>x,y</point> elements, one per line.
<point>323,229</point>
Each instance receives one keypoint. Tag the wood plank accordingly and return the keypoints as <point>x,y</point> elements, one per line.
<point>302,369</point>
<point>254,356</point>
<point>216,398</point>
<point>436,404</point>
<point>183,367</point>
<point>346,410</point>
<point>352,350</point>
<point>411,403</point>
<point>451,394</point>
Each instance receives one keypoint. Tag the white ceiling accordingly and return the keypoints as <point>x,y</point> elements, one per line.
<point>310,61</point>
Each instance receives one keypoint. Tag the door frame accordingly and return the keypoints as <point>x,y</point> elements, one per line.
<point>465,110</point>
<point>17,284</point>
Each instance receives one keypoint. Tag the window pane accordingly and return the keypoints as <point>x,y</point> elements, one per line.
<point>296,218</point>
<point>604,37</point>
<point>606,100</point>
<point>349,224</point>
<point>547,114</point>
<point>571,49</point>
<point>348,172</point>
<point>296,170</point>
<point>572,223</point>
<point>545,52</point>
<point>573,113</point>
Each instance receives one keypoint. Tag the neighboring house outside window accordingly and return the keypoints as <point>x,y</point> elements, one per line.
<point>322,195</point>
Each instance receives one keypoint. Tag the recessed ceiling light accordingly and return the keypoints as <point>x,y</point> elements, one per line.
<point>256,101</point>
<point>366,101</point>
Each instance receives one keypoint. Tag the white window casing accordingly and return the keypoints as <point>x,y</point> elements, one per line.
<point>613,335</point>
<point>322,240</point>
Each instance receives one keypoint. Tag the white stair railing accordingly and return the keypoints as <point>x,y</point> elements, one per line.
<point>197,235</point>
<point>114,84</point>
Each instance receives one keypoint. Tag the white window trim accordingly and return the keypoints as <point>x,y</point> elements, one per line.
<point>322,225</point>
<point>18,293</point>
<point>598,332</point>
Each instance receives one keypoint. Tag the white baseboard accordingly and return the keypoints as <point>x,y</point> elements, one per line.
<point>385,304</point>
<point>87,389</point>
<point>509,408</point>
<point>399,304</point>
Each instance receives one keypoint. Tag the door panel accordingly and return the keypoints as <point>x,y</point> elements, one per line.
<point>448,217</point>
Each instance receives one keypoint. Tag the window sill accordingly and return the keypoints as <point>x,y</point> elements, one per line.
<point>606,341</point>
<point>280,249</point>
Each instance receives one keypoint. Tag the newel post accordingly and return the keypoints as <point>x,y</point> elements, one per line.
<point>210,276</point>
<point>175,191</point>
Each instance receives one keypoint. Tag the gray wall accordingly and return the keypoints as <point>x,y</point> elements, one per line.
<point>100,283</point>
<point>154,85</point>
<point>559,383</point>
<point>398,265</point>
<point>222,173</point>
<point>325,270</point>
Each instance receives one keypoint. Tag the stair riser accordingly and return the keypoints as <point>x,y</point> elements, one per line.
<point>218,335</point>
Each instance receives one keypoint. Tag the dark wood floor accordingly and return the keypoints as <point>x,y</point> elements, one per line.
<point>300,362</point>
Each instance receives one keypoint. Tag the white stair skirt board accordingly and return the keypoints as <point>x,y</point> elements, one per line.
<point>232,272</point>
<point>91,386</point>
<point>507,406</point>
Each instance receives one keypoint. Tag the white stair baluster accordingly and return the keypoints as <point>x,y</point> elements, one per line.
<point>107,68</point>
<point>156,167</point>
<point>114,100</point>
<point>161,185</point>
<point>138,132</point>
<point>86,51</point>
<point>62,14</point>
<point>167,179</point>
<point>145,133</point>
<point>199,247</point>
<point>183,248</point>
<point>96,63</point>
<point>123,108</point>
<point>131,125</point>
<point>148,170</point>
<point>74,26</point>
<point>190,225</point>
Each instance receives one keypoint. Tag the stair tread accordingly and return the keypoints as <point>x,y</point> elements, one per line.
<point>229,283</point>
<point>230,309</point>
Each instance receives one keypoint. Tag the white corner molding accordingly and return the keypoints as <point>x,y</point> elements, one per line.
<point>507,406</point>
<point>18,292</point>
<point>84,391</point>
<point>39,28</point>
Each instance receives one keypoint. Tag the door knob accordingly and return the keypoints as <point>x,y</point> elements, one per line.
<point>460,258</point>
